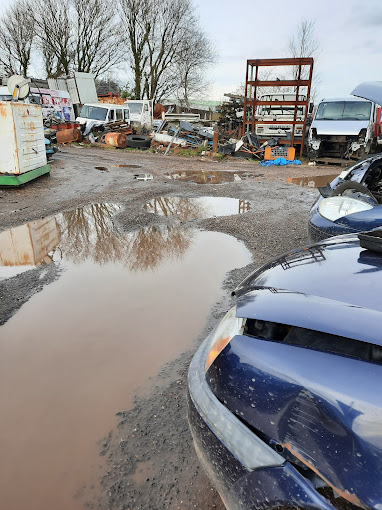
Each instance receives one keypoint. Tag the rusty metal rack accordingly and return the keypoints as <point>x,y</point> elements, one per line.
<point>253,83</point>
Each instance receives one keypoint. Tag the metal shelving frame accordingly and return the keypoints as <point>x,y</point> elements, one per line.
<point>252,83</point>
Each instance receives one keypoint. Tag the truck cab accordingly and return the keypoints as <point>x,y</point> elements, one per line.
<point>279,113</point>
<point>141,112</point>
<point>342,128</point>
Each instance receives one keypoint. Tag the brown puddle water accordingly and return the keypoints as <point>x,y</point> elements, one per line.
<point>312,182</point>
<point>197,208</point>
<point>78,351</point>
<point>214,177</point>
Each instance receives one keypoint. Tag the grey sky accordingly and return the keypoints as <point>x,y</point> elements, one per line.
<point>348,31</point>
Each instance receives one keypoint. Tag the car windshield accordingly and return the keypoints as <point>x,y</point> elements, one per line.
<point>93,112</point>
<point>344,110</point>
<point>135,107</point>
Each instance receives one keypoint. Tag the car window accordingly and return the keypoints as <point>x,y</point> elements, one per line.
<point>118,114</point>
<point>126,114</point>
<point>146,107</point>
<point>111,115</point>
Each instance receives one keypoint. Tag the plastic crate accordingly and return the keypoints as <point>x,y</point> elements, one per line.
<point>280,152</point>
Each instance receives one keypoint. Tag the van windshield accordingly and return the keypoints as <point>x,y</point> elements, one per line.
<point>135,107</point>
<point>344,110</point>
<point>93,112</point>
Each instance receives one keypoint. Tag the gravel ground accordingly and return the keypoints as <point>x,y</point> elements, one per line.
<point>149,455</point>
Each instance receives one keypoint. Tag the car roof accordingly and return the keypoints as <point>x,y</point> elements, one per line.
<point>106,105</point>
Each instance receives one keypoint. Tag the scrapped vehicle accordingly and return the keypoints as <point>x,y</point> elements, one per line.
<point>102,113</point>
<point>285,401</point>
<point>342,128</point>
<point>284,113</point>
<point>141,112</point>
<point>350,203</point>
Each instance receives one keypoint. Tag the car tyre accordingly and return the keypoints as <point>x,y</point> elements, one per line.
<point>138,141</point>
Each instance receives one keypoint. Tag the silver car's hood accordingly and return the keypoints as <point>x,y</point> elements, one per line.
<point>339,127</point>
<point>371,90</point>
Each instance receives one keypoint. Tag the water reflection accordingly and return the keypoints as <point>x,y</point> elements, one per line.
<point>186,209</point>
<point>214,177</point>
<point>312,182</point>
<point>88,233</point>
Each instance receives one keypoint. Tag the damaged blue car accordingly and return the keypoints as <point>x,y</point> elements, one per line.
<point>285,400</point>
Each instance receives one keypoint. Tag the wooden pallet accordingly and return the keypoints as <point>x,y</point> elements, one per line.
<point>334,161</point>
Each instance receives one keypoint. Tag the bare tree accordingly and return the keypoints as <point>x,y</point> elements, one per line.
<point>196,53</point>
<point>96,36</point>
<point>136,16</point>
<point>77,36</point>
<point>53,23</point>
<point>171,22</point>
<point>303,44</point>
<point>16,38</point>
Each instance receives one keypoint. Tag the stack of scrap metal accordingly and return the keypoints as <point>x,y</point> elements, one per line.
<point>194,135</point>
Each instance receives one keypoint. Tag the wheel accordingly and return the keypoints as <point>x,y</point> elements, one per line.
<point>138,141</point>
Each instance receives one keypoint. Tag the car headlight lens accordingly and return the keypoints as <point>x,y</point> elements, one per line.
<point>334,208</point>
<point>229,326</point>
<point>249,449</point>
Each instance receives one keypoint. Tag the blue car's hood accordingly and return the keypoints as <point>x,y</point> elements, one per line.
<point>340,261</point>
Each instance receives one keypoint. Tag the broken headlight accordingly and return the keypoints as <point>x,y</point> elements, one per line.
<point>334,208</point>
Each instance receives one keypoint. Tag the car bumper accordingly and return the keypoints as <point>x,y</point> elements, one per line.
<point>246,471</point>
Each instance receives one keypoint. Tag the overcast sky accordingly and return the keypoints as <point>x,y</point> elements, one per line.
<point>348,31</point>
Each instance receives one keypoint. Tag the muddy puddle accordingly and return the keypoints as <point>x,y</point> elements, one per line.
<point>80,349</point>
<point>312,182</point>
<point>214,177</point>
<point>197,208</point>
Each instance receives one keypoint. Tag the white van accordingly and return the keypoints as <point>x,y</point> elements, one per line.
<point>342,128</point>
<point>101,113</point>
<point>141,112</point>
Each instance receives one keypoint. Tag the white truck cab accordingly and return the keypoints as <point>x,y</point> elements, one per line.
<point>103,113</point>
<point>281,113</point>
<point>141,112</point>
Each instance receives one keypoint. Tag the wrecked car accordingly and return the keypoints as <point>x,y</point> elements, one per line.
<point>352,202</point>
<point>342,128</point>
<point>285,406</point>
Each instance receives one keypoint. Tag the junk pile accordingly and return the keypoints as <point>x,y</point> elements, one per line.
<point>186,134</point>
<point>117,134</point>
<point>249,147</point>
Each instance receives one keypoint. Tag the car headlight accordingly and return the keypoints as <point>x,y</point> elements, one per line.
<point>248,448</point>
<point>229,326</point>
<point>334,208</point>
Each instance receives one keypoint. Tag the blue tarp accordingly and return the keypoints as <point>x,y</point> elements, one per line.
<point>280,162</point>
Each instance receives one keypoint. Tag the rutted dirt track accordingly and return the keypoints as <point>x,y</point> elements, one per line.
<point>147,459</point>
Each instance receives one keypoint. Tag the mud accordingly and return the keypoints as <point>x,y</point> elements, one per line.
<point>58,392</point>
